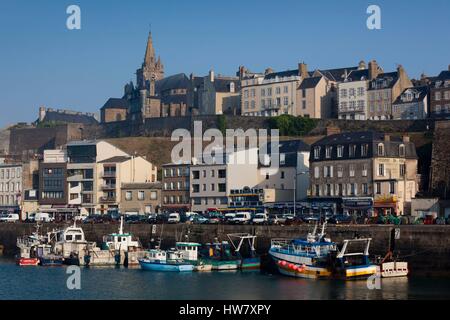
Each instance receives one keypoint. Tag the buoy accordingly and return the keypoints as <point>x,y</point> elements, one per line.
<point>290,265</point>
<point>283,263</point>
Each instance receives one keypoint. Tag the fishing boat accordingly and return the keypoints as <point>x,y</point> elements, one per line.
<point>303,258</point>
<point>51,260</point>
<point>353,265</point>
<point>167,261</point>
<point>389,266</point>
<point>252,261</point>
<point>219,255</point>
<point>127,251</point>
<point>190,253</point>
<point>27,246</point>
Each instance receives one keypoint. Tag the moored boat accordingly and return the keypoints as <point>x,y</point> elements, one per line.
<point>27,246</point>
<point>251,261</point>
<point>190,253</point>
<point>220,257</point>
<point>167,261</point>
<point>27,262</point>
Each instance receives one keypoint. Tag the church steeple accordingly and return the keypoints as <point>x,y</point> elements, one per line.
<point>149,52</point>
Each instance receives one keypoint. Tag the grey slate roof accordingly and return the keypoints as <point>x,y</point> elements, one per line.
<point>390,77</point>
<point>281,74</point>
<point>176,81</point>
<point>116,103</point>
<point>53,116</point>
<point>116,159</point>
<point>310,82</point>
<point>223,85</point>
<point>423,91</point>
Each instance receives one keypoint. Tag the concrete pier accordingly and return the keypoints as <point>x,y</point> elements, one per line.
<point>425,247</point>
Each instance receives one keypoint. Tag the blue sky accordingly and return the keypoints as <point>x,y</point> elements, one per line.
<point>43,63</point>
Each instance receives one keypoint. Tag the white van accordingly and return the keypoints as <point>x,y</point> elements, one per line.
<point>9,217</point>
<point>43,217</point>
<point>261,218</point>
<point>174,218</point>
<point>242,218</point>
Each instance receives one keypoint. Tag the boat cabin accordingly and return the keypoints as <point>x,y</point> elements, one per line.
<point>189,250</point>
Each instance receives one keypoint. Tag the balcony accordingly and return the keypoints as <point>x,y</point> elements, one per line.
<point>108,187</point>
<point>107,199</point>
<point>74,178</point>
<point>109,174</point>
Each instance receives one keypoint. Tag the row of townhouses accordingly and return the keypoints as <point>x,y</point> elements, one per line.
<point>359,172</point>
<point>360,92</point>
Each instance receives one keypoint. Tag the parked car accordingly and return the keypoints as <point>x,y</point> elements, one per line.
<point>261,218</point>
<point>215,217</point>
<point>311,218</point>
<point>229,217</point>
<point>10,217</point>
<point>340,219</point>
<point>242,218</point>
<point>135,219</point>
<point>198,219</point>
<point>40,217</point>
<point>174,218</point>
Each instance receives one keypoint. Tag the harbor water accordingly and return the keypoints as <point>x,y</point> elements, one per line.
<point>30,283</point>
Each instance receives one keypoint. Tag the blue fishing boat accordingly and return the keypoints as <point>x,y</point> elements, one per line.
<point>167,261</point>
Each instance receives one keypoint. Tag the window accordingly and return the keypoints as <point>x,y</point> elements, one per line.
<point>352,151</point>
<point>437,96</point>
<point>286,89</point>
<point>222,187</point>
<point>340,189</point>
<point>378,188</point>
<point>352,170</point>
<point>328,190</point>
<point>141,195</point>
<point>381,169</point>
<point>304,104</point>
<point>401,150</point>
<point>352,189</point>
<point>213,186</point>
<point>282,174</point>
<point>381,149</point>
<point>195,188</point>
<point>128,195</point>
<point>269,91</point>
<point>286,101</point>
<point>153,195</point>
<point>361,91</point>
<point>204,187</point>
<point>402,170</point>
<point>364,150</point>
<point>364,170</point>
<point>316,152</point>
<point>343,93</point>
<point>365,189</point>
<point>340,172</point>
<point>340,151</point>
<point>278,90</point>
<point>317,190</point>
<point>391,187</point>
<point>222,173</point>
<point>263,93</point>
<point>195,175</point>
<point>328,152</point>
<point>316,172</point>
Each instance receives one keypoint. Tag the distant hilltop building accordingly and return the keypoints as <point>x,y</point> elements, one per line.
<point>49,115</point>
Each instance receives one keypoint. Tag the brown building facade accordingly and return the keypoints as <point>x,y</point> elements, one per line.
<point>440,96</point>
<point>175,188</point>
<point>140,198</point>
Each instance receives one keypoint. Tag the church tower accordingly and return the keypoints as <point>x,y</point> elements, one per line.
<point>152,69</point>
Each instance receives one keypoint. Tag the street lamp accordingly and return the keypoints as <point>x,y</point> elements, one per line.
<point>295,186</point>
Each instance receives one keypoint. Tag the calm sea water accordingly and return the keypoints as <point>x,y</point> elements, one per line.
<point>120,283</point>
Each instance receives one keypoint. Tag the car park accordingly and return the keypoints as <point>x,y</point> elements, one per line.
<point>215,217</point>
<point>340,219</point>
<point>229,217</point>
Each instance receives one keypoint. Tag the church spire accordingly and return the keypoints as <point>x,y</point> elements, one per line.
<point>149,52</point>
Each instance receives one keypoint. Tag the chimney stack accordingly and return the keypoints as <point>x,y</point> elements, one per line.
<point>449,67</point>
<point>387,138</point>
<point>268,71</point>
<point>373,69</point>
<point>362,65</point>
<point>303,70</point>
<point>42,113</point>
<point>211,75</point>
<point>330,130</point>
<point>406,139</point>
<point>401,71</point>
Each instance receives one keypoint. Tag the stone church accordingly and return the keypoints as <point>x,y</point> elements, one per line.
<point>153,96</point>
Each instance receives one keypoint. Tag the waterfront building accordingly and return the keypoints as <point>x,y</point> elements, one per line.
<point>257,200</point>
<point>412,104</point>
<point>440,96</point>
<point>175,188</point>
<point>53,188</point>
<point>96,171</point>
<point>316,98</point>
<point>292,176</point>
<point>384,90</point>
<point>140,198</point>
<point>10,186</point>
<point>211,182</point>
<point>30,185</point>
<point>363,172</point>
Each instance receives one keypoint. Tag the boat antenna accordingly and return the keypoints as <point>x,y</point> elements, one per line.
<point>121,225</point>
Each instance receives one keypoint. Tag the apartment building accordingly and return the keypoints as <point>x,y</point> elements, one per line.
<point>440,96</point>
<point>271,93</point>
<point>10,186</point>
<point>140,198</point>
<point>384,90</point>
<point>96,171</point>
<point>211,183</point>
<point>352,91</point>
<point>412,104</point>
<point>53,188</point>
<point>175,188</point>
<point>364,172</point>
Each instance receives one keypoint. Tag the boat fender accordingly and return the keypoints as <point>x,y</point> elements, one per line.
<point>283,263</point>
